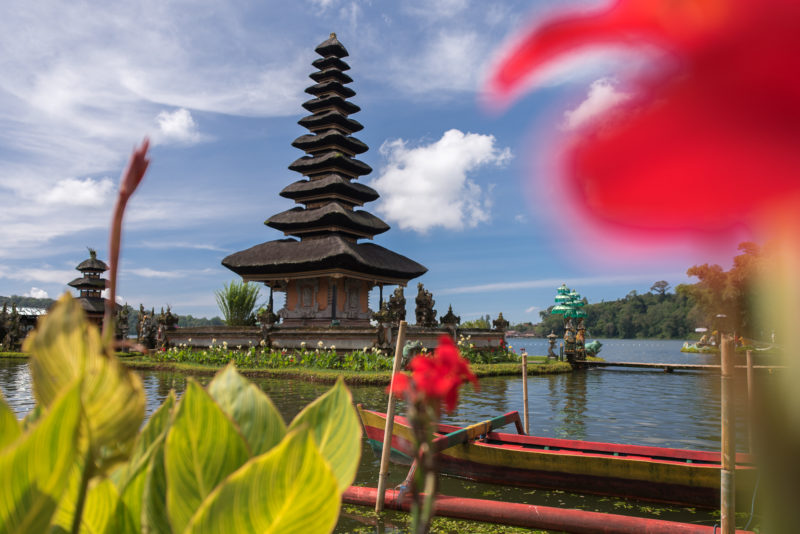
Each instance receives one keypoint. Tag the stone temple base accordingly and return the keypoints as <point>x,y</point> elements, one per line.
<point>342,337</point>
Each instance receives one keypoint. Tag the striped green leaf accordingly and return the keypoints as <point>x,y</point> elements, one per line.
<point>65,347</point>
<point>203,447</point>
<point>289,490</point>
<point>259,421</point>
<point>100,507</point>
<point>9,426</point>
<point>154,496</point>
<point>334,425</point>
<point>35,469</point>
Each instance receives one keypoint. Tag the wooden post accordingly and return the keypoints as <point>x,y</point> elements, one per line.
<point>750,401</point>
<point>525,392</point>
<point>728,446</point>
<point>387,432</point>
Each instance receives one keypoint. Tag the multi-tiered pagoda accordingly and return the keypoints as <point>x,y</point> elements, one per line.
<point>90,286</point>
<point>324,270</point>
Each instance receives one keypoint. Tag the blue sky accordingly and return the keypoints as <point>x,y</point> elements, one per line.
<point>218,87</point>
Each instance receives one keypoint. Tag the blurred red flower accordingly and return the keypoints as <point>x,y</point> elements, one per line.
<point>710,138</point>
<point>437,378</point>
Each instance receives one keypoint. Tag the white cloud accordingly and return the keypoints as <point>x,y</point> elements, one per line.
<point>602,96</point>
<point>178,126</point>
<point>445,63</point>
<point>587,281</point>
<point>36,293</point>
<point>428,185</point>
<point>531,309</point>
<point>146,272</point>
<point>520,218</point>
<point>77,192</point>
<point>42,275</point>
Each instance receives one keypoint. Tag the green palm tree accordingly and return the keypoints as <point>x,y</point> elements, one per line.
<point>237,301</point>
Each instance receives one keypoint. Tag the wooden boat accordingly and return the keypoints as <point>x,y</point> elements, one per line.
<point>675,476</point>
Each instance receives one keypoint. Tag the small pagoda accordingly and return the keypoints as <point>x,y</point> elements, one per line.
<point>326,272</point>
<point>90,286</point>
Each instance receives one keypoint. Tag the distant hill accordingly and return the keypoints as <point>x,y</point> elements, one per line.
<point>650,315</point>
<point>26,302</point>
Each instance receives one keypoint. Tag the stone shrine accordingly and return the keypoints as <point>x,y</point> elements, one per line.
<point>322,267</point>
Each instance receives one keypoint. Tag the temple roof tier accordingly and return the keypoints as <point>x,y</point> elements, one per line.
<point>329,186</point>
<point>325,63</point>
<point>333,102</point>
<point>330,217</point>
<point>288,258</point>
<point>92,265</point>
<point>89,283</point>
<point>330,119</point>
<point>330,87</point>
<point>330,162</point>
<point>332,73</point>
<point>95,305</point>
<point>331,47</point>
<point>333,139</point>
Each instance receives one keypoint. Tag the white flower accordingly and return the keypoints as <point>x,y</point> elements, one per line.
<point>213,341</point>
<point>302,344</point>
<point>333,347</point>
<point>211,346</point>
<point>320,344</point>
<point>190,340</point>
<point>263,343</point>
<point>238,347</point>
<point>365,349</point>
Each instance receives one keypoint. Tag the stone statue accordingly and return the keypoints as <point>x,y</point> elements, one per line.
<point>450,318</point>
<point>397,306</point>
<point>426,315</point>
<point>121,327</point>
<point>170,319</point>
<point>580,340</point>
<point>500,323</point>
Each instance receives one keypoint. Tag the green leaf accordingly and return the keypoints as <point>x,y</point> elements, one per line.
<point>203,447</point>
<point>259,421</point>
<point>154,496</point>
<point>334,425</point>
<point>132,478</point>
<point>65,347</point>
<point>34,470</point>
<point>100,507</point>
<point>288,490</point>
<point>9,426</point>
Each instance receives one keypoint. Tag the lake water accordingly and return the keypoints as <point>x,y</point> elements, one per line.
<point>633,406</point>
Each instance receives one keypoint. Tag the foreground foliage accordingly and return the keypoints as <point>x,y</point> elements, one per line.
<point>218,460</point>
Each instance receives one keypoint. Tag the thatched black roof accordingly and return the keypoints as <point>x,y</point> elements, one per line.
<point>92,265</point>
<point>330,217</point>
<point>331,101</point>
<point>329,139</point>
<point>326,186</point>
<point>330,87</point>
<point>329,228</point>
<point>93,304</point>
<point>89,283</point>
<point>331,47</point>
<point>325,63</point>
<point>291,257</point>
<point>330,162</point>
<point>330,74</point>
<point>330,119</point>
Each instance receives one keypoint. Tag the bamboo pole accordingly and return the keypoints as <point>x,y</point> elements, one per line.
<point>387,432</point>
<point>728,446</point>
<point>750,400</point>
<point>525,392</point>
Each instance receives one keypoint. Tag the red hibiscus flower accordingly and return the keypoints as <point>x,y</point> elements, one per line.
<point>436,377</point>
<point>709,139</point>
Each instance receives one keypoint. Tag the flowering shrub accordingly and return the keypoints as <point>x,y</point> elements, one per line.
<point>367,359</point>
<point>502,354</point>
